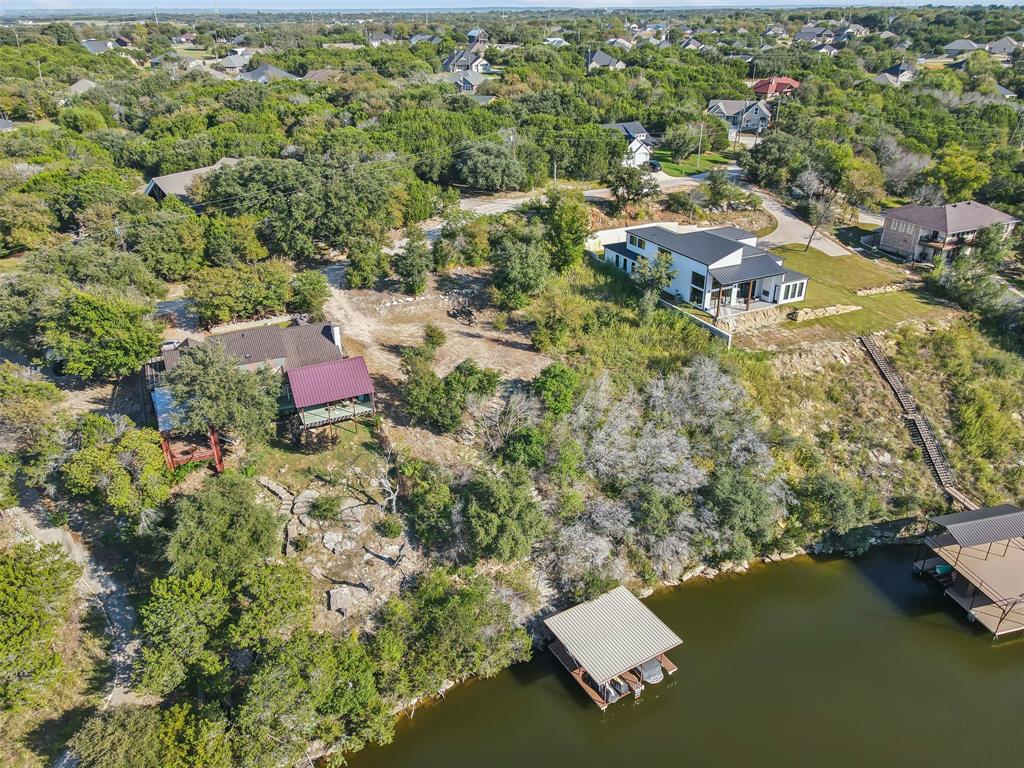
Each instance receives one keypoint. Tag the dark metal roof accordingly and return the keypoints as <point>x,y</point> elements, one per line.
<point>329,382</point>
<point>630,129</point>
<point>753,268</point>
<point>291,347</point>
<point>950,218</point>
<point>703,247</point>
<point>983,526</point>
<point>792,276</point>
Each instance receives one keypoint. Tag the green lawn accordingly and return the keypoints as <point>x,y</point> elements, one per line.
<point>834,280</point>
<point>689,167</point>
<point>295,468</point>
<point>11,264</point>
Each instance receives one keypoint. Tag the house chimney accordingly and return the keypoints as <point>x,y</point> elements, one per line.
<point>336,337</point>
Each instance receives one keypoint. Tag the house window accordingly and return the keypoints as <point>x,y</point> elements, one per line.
<point>800,290</point>
<point>785,293</point>
<point>638,243</point>
<point>697,279</point>
<point>696,296</point>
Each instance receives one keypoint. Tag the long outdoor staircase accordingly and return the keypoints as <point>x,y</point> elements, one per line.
<point>920,430</point>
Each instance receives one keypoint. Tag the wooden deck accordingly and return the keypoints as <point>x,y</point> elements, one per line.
<point>995,618</point>
<point>577,673</point>
<point>670,668</point>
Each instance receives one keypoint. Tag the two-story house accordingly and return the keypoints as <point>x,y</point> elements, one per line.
<point>638,148</point>
<point>934,233</point>
<point>465,61</point>
<point>720,271</point>
<point>601,60</point>
<point>742,115</point>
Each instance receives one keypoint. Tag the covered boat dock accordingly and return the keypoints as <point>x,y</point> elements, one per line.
<point>612,645</point>
<point>978,556</point>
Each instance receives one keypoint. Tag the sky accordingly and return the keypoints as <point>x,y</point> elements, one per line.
<point>432,5</point>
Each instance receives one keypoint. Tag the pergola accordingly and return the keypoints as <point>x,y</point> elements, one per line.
<point>978,555</point>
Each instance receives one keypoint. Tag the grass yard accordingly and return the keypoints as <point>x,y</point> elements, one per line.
<point>689,167</point>
<point>11,264</point>
<point>834,280</point>
<point>295,468</point>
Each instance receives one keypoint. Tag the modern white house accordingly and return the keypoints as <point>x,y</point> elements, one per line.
<point>638,148</point>
<point>465,61</point>
<point>720,271</point>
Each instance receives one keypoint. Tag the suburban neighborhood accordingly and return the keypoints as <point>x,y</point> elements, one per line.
<point>350,357</point>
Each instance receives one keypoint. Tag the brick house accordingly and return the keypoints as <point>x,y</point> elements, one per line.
<point>924,232</point>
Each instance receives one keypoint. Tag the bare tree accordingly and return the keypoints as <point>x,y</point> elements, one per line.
<point>515,414</point>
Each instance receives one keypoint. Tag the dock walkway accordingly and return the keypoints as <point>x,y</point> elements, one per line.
<point>921,432</point>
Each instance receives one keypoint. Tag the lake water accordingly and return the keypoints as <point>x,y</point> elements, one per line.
<point>808,662</point>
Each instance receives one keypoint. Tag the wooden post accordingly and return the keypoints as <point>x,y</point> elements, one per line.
<point>750,293</point>
<point>165,446</point>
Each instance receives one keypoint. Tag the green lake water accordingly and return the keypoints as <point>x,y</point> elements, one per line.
<point>808,662</point>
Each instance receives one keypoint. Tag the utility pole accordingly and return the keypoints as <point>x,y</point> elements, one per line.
<point>554,169</point>
<point>700,141</point>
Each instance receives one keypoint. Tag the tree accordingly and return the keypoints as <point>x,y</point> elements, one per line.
<point>502,518</point>
<point>240,291</point>
<point>27,403</point>
<point>958,173</point>
<point>182,626</point>
<point>310,292</point>
<point>827,505</point>
<point>133,736</point>
<point>717,188</point>
<point>367,263</point>
<point>117,465</point>
<point>630,185</point>
<point>99,334</point>
<point>568,226</point>
<point>428,502</point>
<point>313,687</point>
<point>171,240</point>
<point>81,119</point>
<point>651,277</point>
<point>448,626</point>
<point>413,262</point>
<point>441,402</point>
<point>522,265</point>
<point>273,602</point>
<point>491,167</point>
<point>37,588</point>
<point>222,530</point>
<point>556,386</point>
<point>221,395</point>
<point>233,239</point>
<point>681,140</point>
<point>25,222</point>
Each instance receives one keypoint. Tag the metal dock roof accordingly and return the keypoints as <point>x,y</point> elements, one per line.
<point>612,634</point>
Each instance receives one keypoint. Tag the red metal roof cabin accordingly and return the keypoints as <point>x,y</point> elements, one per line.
<point>768,87</point>
<point>326,393</point>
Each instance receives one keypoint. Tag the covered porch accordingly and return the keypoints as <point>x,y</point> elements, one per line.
<point>328,393</point>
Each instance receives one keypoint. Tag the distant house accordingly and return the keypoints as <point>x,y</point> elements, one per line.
<point>376,41</point>
<point>266,73</point>
<point>323,75</point>
<point>934,233</point>
<point>958,47</point>
<point>465,61</point>
<point>1006,93</point>
<point>826,50</point>
<point>720,271</point>
<point>185,39</point>
<point>692,44</point>
<point>179,184</point>
<point>1004,46</point>
<point>887,35</point>
<point>121,41</point>
<point>6,125</point>
<point>432,39</point>
<point>477,35</point>
<point>79,87</point>
<point>772,87</point>
<point>855,30</point>
<point>601,60</point>
<point>465,82</point>
<point>638,148</point>
<point>813,35</point>
<point>618,42</point>
<point>556,42</point>
<point>896,75</point>
<point>776,30</point>
<point>97,46</point>
<point>233,64</point>
<point>742,115</point>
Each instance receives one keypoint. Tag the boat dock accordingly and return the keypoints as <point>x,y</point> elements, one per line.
<point>978,556</point>
<point>612,646</point>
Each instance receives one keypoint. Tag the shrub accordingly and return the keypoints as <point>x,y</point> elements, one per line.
<point>310,292</point>
<point>326,508</point>
<point>503,519</point>
<point>556,386</point>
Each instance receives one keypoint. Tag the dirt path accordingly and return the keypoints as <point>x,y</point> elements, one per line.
<point>100,585</point>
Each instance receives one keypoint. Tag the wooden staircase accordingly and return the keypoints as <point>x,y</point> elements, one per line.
<point>921,432</point>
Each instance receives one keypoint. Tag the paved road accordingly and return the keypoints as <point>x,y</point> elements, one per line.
<point>791,229</point>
